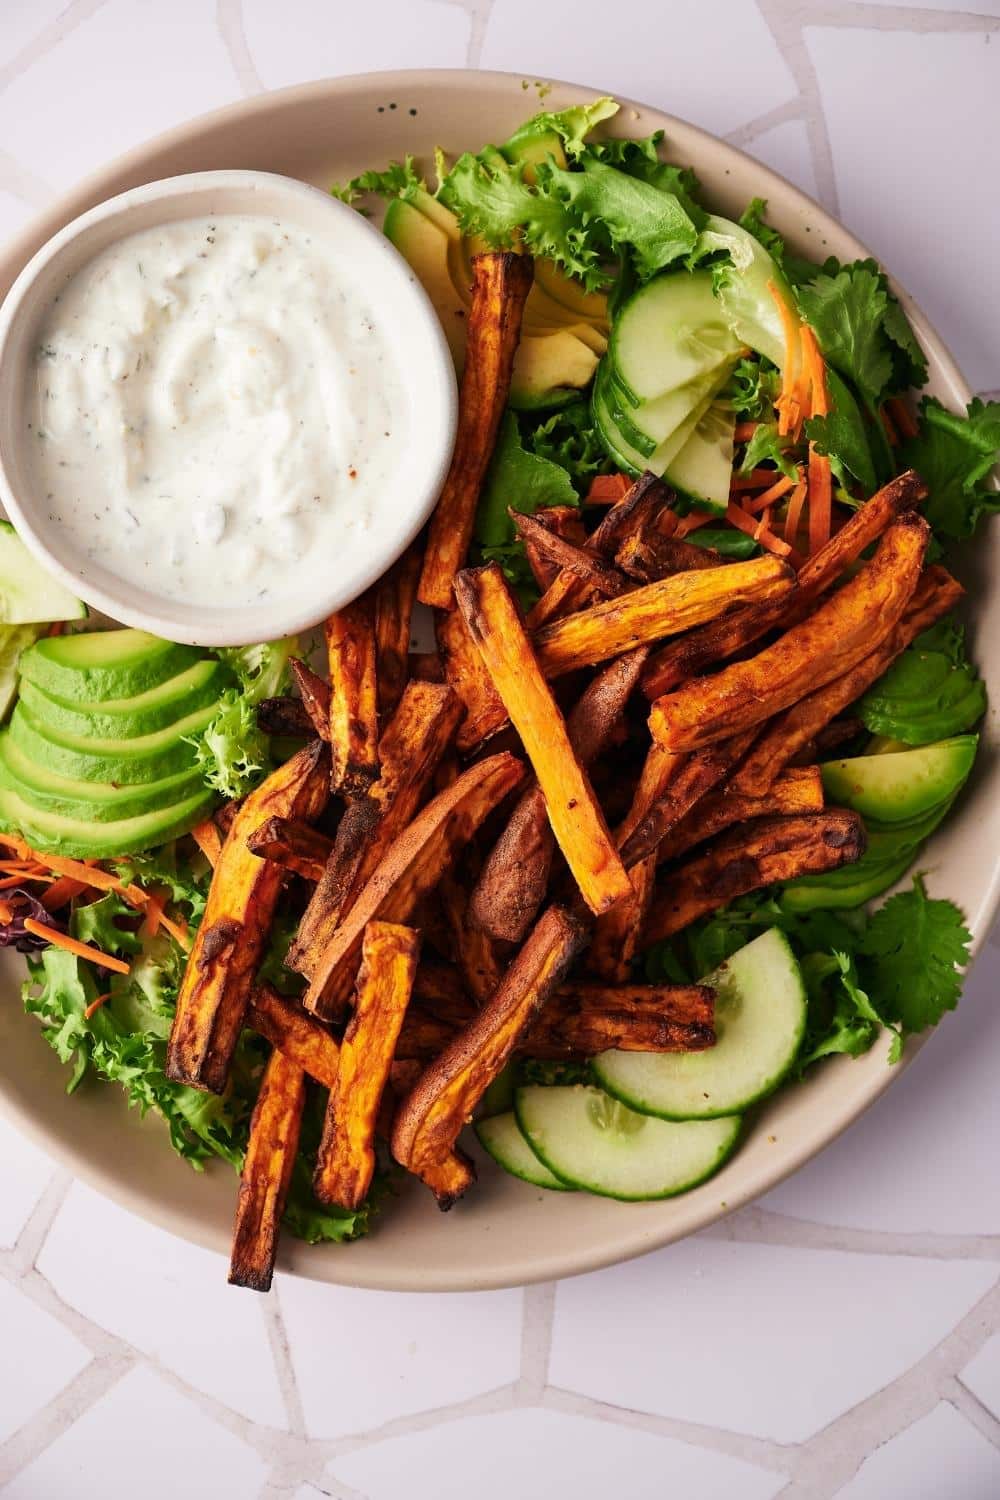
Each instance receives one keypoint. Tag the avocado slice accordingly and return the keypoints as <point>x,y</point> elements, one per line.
<point>129,762</point>
<point>95,801</point>
<point>125,718</point>
<point>104,664</point>
<point>899,786</point>
<point>85,839</point>
<point>870,881</point>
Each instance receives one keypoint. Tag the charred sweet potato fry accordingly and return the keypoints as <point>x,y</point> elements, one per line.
<point>417,736</point>
<point>346,1162</point>
<point>267,1173</point>
<point>292,844</point>
<point>649,555</point>
<point>350,649</point>
<point>798,790</point>
<point>767,851</point>
<point>474,950</point>
<point>847,627</point>
<point>395,596</point>
<point>514,877</point>
<point>642,504</point>
<point>429,1119</point>
<point>501,282</point>
<point>315,695</point>
<point>285,716</point>
<point>694,777</point>
<point>564,521</point>
<point>573,810</point>
<point>721,639</point>
<point>304,1040</point>
<point>466,672</point>
<point>410,867</point>
<point>241,900</point>
<point>656,610</point>
<point>426,666</point>
<point>567,592</point>
<point>935,594</point>
<point>587,564</point>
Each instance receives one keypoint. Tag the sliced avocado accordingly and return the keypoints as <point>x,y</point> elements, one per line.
<point>130,762</point>
<point>870,881</point>
<point>14,640</point>
<point>898,786</point>
<point>425,248</point>
<point>85,839</point>
<point>550,371</point>
<point>104,664</point>
<point>98,801</point>
<point>590,307</point>
<point>123,718</point>
<point>28,594</point>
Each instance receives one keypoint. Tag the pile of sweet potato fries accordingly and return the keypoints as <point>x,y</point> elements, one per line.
<point>501,833</point>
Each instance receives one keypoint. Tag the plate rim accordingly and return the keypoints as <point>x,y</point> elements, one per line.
<point>295,1257</point>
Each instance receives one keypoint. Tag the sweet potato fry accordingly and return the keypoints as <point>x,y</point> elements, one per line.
<point>267,1173</point>
<point>657,609</point>
<point>395,596</point>
<point>304,1040</point>
<point>292,844</point>
<point>798,790</point>
<point>426,666</point>
<point>693,778</point>
<point>649,555</point>
<point>410,867</point>
<point>285,716</point>
<point>567,592</point>
<point>643,502</point>
<point>241,900</point>
<point>466,673</point>
<point>417,736</point>
<point>721,639</point>
<point>564,521</point>
<point>840,632</point>
<point>512,883</point>
<point>429,1119</point>
<point>601,576</point>
<point>574,812</point>
<point>346,1162</point>
<point>474,950</point>
<point>936,593</point>
<point>768,850</point>
<point>315,695</point>
<point>501,282</point>
<point>350,647</point>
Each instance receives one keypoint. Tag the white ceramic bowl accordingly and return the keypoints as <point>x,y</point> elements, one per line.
<point>391,288</point>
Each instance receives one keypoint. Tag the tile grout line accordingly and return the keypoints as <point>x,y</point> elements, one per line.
<point>49,37</point>
<point>30,1242</point>
<point>76,1398</point>
<point>924,21</point>
<point>760,1226</point>
<point>231,26</point>
<point>284,1365</point>
<point>538,1305</point>
<point>975,1412</point>
<point>781,114</point>
<point>787,32</point>
<point>479,12</point>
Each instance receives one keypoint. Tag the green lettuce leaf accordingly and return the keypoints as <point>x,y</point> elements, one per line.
<point>641,159</point>
<point>397,180</point>
<point>568,438</point>
<point>753,388</point>
<point>261,669</point>
<point>233,752</point>
<point>955,455</point>
<point>623,215</point>
<point>523,480</point>
<point>572,126</point>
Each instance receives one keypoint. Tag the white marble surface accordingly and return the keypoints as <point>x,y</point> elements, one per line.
<point>840,1338</point>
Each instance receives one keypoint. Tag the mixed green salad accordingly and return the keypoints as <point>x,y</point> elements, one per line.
<point>658,336</point>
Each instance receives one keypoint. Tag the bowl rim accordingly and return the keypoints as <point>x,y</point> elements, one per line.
<point>628,1243</point>
<point>434,399</point>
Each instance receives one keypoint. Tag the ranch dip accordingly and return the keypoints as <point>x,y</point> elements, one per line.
<point>218,414</point>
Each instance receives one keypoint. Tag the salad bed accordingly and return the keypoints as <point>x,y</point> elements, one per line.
<point>673,397</point>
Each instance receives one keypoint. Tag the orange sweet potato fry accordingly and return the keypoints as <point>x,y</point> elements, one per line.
<point>430,1117</point>
<point>600,576</point>
<point>500,286</point>
<point>798,790</point>
<point>645,502</point>
<point>649,555</point>
<point>231,939</point>
<point>766,851</point>
<point>852,622</point>
<point>494,623</point>
<point>286,716</point>
<point>466,672</point>
<point>409,869</point>
<point>304,1040</point>
<point>692,778</point>
<point>267,1173</point>
<point>417,736</point>
<point>565,521</point>
<point>936,593</point>
<point>395,596</point>
<point>293,844</point>
<point>346,1162</point>
<point>350,646</point>
<point>315,694</point>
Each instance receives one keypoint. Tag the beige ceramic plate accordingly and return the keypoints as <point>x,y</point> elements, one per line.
<point>505,1232</point>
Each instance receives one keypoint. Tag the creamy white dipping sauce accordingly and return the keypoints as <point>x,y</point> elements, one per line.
<point>218,413</point>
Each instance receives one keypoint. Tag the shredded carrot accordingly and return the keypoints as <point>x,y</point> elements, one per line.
<point>888,427</point>
<point>101,880</point>
<point>95,1005</point>
<point>789,403</point>
<point>61,891</point>
<point>793,515</point>
<point>744,431</point>
<point>751,526</point>
<point>9,841</point>
<point>6,912</point>
<point>156,917</point>
<point>209,840</point>
<point>10,881</point>
<point>903,419</point>
<point>605,489</point>
<point>767,499</point>
<point>177,930</point>
<point>154,912</point>
<point>58,628</point>
<point>757,479</point>
<point>72,945</point>
<point>692,521</point>
<point>820,483</point>
<point>763,525</point>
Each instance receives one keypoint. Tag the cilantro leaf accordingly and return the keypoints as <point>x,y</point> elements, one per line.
<point>398,180</point>
<point>842,437</point>
<point>955,456</point>
<point>846,312</point>
<point>765,446</point>
<point>913,954</point>
<point>523,480</point>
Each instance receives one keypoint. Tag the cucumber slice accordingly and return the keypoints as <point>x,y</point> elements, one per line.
<point>589,1140</point>
<point>669,332</point>
<point>500,1136</point>
<point>621,453</point>
<point>898,786</point>
<point>703,468</point>
<point>760,1016</point>
<point>29,595</point>
<point>105,664</point>
<point>609,419</point>
<point>743,287</point>
<point>14,639</point>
